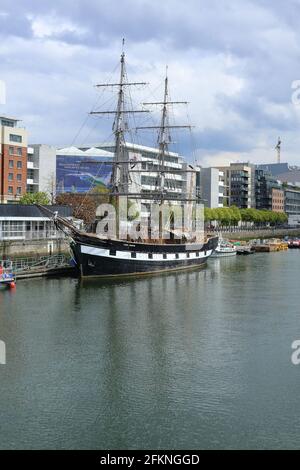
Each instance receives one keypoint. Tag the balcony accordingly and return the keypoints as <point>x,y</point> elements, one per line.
<point>32,181</point>
<point>32,165</point>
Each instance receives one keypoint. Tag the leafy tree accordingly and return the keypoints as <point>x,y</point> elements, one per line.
<point>83,205</point>
<point>35,198</point>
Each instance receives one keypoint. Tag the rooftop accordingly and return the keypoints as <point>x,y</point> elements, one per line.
<point>30,210</point>
<point>9,118</point>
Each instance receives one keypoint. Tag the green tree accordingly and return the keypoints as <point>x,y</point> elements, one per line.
<point>35,198</point>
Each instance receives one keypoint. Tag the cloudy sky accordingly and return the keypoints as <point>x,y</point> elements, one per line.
<point>234,61</point>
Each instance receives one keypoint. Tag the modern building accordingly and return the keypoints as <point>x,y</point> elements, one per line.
<point>278,200</point>
<point>239,184</point>
<point>28,222</point>
<point>176,183</point>
<point>80,169</point>
<point>283,172</point>
<point>41,169</point>
<point>292,203</point>
<point>13,163</point>
<point>269,193</point>
<point>211,187</point>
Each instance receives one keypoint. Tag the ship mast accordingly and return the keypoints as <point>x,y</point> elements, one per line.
<point>120,174</point>
<point>164,137</point>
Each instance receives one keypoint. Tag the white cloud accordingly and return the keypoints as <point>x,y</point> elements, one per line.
<point>52,25</point>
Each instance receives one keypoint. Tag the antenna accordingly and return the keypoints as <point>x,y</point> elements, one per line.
<point>278,148</point>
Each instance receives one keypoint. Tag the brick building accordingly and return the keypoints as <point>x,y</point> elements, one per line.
<point>277,200</point>
<point>13,160</point>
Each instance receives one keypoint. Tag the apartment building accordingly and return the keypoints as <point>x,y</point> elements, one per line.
<point>239,184</point>
<point>212,191</point>
<point>13,163</point>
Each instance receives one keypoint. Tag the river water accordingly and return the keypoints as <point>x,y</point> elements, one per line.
<point>197,360</point>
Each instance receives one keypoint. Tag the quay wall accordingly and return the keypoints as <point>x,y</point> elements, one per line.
<point>20,248</point>
<point>251,234</point>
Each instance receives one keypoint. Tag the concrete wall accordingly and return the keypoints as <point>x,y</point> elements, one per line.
<point>250,235</point>
<point>11,249</point>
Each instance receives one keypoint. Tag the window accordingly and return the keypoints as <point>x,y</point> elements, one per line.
<point>10,176</point>
<point>19,177</point>
<point>19,151</point>
<point>11,150</point>
<point>15,138</point>
<point>19,165</point>
<point>10,189</point>
<point>11,164</point>
<point>7,123</point>
<point>19,190</point>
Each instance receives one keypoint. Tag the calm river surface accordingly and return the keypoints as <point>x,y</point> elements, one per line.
<point>191,360</point>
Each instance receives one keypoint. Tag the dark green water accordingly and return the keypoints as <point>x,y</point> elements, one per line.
<point>191,360</point>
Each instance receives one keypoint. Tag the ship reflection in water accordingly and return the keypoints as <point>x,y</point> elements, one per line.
<point>193,360</point>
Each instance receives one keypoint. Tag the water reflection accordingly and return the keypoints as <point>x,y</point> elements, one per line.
<point>190,359</point>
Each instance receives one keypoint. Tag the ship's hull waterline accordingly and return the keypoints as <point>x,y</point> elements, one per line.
<point>118,258</point>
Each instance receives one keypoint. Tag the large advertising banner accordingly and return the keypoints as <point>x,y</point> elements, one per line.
<point>81,174</point>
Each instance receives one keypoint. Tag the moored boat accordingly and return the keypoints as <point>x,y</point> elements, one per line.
<point>7,277</point>
<point>224,249</point>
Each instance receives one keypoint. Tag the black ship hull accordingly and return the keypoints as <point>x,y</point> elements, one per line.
<point>110,258</point>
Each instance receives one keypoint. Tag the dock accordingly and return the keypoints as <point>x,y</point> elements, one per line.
<point>43,266</point>
<point>269,246</point>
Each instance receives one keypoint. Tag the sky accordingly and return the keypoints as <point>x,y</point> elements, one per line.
<point>235,62</point>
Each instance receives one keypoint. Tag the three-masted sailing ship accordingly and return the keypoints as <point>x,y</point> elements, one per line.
<point>100,254</point>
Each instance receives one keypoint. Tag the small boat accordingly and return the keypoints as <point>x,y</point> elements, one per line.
<point>294,243</point>
<point>244,250</point>
<point>7,277</point>
<point>224,249</point>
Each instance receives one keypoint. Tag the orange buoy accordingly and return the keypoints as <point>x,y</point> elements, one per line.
<point>12,284</point>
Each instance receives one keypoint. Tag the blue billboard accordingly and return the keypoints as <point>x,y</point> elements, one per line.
<point>80,174</point>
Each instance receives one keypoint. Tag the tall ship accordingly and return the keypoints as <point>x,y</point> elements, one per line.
<point>150,242</point>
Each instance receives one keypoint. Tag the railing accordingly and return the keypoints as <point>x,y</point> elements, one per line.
<point>32,263</point>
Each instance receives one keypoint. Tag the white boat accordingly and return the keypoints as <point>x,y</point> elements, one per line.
<point>224,249</point>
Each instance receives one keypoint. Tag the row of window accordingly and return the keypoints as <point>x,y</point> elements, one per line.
<point>11,190</point>
<point>11,177</point>
<point>153,181</point>
<point>15,151</point>
<point>11,164</point>
<point>7,123</point>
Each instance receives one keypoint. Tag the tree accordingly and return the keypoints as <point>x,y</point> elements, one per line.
<point>35,198</point>
<point>83,205</point>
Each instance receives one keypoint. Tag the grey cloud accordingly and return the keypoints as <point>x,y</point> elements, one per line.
<point>50,79</point>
